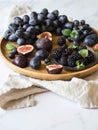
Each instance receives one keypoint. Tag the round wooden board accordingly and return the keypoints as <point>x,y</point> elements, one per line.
<point>42,73</point>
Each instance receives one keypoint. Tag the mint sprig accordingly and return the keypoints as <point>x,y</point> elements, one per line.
<point>80,65</point>
<point>83,53</point>
<point>9,47</point>
<point>73,33</point>
<point>66,32</point>
<point>72,46</point>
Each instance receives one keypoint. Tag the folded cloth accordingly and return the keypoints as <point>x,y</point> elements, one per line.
<point>18,91</point>
<point>15,90</point>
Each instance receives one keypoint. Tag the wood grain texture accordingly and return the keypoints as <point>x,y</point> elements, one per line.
<point>42,73</point>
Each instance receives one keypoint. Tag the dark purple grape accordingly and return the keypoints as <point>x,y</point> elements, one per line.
<point>89,41</point>
<point>26,35</point>
<point>44,11</point>
<point>50,28</point>
<point>33,37</point>
<point>38,29</point>
<point>42,54</point>
<point>56,23</point>
<point>21,29</point>
<point>7,33</point>
<point>75,28</point>
<point>33,22</point>
<point>32,30</point>
<point>19,33</point>
<point>47,60</point>
<point>76,23</point>
<point>76,43</point>
<point>11,55</point>
<point>55,12</point>
<point>51,16</point>
<point>12,38</point>
<point>29,41</point>
<point>69,25</point>
<point>58,31</point>
<point>70,39</point>
<point>82,22</point>
<point>77,37</point>
<point>48,22</point>
<point>63,19</point>
<point>12,27</point>
<point>93,36</point>
<point>40,17</point>
<point>15,51</point>
<point>25,19</point>
<point>21,41</point>
<point>26,26</point>
<point>61,41</point>
<point>43,28</point>
<point>18,21</point>
<point>35,62</point>
<point>85,32</point>
<point>33,15</point>
<point>85,27</point>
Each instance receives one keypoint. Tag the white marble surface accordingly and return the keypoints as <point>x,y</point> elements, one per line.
<point>52,112</point>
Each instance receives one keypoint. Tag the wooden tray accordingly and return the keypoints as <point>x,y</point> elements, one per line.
<point>42,73</point>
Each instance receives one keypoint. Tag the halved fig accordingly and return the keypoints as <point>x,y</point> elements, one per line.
<point>95,47</point>
<point>25,49</point>
<point>45,35</point>
<point>54,69</point>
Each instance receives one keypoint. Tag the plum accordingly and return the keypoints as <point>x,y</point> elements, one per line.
<point>43,43</point>
<point>42,54</point>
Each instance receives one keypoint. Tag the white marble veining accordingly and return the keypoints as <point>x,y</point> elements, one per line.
<point>52,112</point>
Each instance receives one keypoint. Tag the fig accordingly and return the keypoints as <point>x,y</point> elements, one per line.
<point>43,43</point>
<point>95,47</point>
<point>42,54</point>
<point>20,61</point>
<point>45,35</point>
<point>25,49</point>
<point>54,69</point>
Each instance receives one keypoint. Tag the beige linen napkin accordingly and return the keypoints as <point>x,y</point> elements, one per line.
<point>18,90</point>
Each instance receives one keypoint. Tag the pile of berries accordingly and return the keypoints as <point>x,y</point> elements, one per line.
<point>72,55</point>
<point>24,30</point>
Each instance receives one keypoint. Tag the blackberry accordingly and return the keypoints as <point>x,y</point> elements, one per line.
<point>63,61</point>
<point>68,51</point>
<point>90,57</point>
<point>71,62</point>
<point>56,54</point>
<point>75,55</point>
<point>84,61</point>
<point>63,47</point>
<point>61,41</point>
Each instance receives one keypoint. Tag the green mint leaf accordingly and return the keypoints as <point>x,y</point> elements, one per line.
<point>73,46</point>
<point>9,47</point>
<point>83,53</point>
<point>73,33</point>
<point>48,63</point>
<point>66,32</point>
<point>80,65</point>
